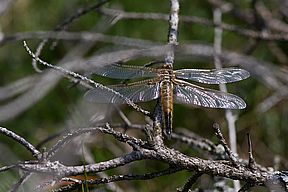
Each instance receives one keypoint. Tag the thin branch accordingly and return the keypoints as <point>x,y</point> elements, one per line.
<point>56,168</point>
<point>85,79</point>
<point>217,62</point>
<point>63,25</point>
<point>230,154</point>
<point>69,136</point>
<point>251,163</point>
<point>79,13</point>
<point>201,144</point>
<point>76,36</point>
<point>198,20</point>
<point>172,31</point>
<point>246,187</point>
<point>173,22</point>
<point>49,138</point>
<point>20,182</point>
<point>22,141</point>
<point>124,118</point>
<point>5,168</point>
<point>116,178</point>
<point>190,182</point>
<point>230,118</point>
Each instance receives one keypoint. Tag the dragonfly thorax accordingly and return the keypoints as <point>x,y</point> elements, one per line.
<point>166,74</point>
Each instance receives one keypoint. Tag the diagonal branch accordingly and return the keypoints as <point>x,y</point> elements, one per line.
<point>69,136</point>
<point>22,141</point>
<point>115,178</point>
<point>85,79</point>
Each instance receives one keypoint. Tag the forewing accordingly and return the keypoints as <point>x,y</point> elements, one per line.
<point>117,71</point>
<point>192,94</point>
<point>136,92</point>
<point>214,76</point>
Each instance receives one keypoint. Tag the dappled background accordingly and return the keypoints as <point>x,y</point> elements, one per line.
<point>38,106</point>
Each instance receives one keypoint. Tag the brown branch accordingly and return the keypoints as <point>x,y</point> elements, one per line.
<point>203,145</point>
<point>92,130</point>
<point>190,182</point>
<point>246,187</point>
<point>161,153</point>
<point>116,178</point>
<point>230,154</point>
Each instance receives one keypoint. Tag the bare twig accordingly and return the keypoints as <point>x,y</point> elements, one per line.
<point>49,138</point>
<point>20,182</point>
<point>5,168</point>
<point>251,163</point>
<point>22,141</point>
<point>203,145</point>
<point>115,178</point>
<point>63,25</point>
<point>246,187</point>
<point>230,154</point>
<point>198,20</point>
<point>85,79</point>
<point>190,182</point>
<point>76,36</point>
<point>69,136</point>
<point>230,118</point>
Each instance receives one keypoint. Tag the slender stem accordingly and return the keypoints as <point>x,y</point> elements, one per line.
<point>173,31</point>
<point>22,141</point>
<point>251,163</point>
<point>85,79</point>
<point>217,17</point>
<point>230,154</point>
<point>190,182</point>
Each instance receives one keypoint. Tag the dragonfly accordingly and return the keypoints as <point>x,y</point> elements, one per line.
<point>169,86</point>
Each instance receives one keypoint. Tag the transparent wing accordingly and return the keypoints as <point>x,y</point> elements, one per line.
<point>214,76</point>
<point>117,71</point>
<point>191,94</point>
<point>137,92</point>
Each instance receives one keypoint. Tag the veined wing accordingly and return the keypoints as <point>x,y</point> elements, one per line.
<point>141,91</point>
<point>191,94</point>
<point>214,76</point>
<point>118,71</point>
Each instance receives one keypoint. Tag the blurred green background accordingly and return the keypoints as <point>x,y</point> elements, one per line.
<point>48,116</point>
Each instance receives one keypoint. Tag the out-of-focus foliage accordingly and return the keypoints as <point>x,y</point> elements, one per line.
<point>48,116</point>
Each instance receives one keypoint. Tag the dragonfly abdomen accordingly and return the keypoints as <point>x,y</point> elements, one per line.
<point>166,94</point>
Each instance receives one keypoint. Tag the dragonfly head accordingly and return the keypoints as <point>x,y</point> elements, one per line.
<point>166,66</point>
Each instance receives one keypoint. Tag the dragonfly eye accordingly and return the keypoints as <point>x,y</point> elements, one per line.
<point>165,66</point>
